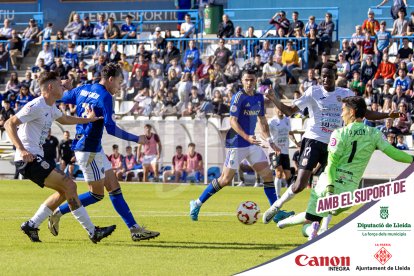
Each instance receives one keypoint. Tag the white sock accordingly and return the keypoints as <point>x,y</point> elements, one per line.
<point>278,187</point>
<point>57,213</point>
<point>135,226</point>
<point>309,230</point>
<point>41,215</point>
<point>293,220</point>
<point>288,195</point>
<point>325,222</point>
<point>82,216</point>
<point>198,202</point>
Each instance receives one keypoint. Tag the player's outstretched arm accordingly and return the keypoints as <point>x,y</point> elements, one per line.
<point>287,110</point>
<point>11,129</point>
<point>374,115</point>
<point>71,120</point>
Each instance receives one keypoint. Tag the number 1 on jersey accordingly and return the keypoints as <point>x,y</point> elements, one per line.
<point>354,148</point>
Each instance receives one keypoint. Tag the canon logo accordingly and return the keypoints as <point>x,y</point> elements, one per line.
<point>303,260</point>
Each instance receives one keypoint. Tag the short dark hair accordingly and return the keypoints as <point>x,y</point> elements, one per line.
<point>178,147</point>
<point>356,103</point>
<point>115,146</point>
<point>128,147</point>
<point>148,126</point>
<point>248,71</point>
<point>111,70</point>
<point>46,77</point>
<point>191,145</point>
<point>329,65</point>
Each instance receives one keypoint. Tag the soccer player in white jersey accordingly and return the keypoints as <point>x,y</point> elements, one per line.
<point>350,149</point>
<point>324,103</point>
<point>89,152</point>
<point>247,107</point>
<point>35,120</point>
<point>280,131</point>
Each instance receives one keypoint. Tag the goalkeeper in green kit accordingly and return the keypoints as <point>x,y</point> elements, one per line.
<point>350,149</point>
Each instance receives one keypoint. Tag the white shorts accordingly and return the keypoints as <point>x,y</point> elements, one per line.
<point>253,154</point>
<point>93,164</point>
<point>149,159</point>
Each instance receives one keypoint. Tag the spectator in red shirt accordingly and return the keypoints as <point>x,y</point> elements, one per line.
<point>141,64</point>
<point>385,72</point>
<point>279,20</point>
<point>368,46</point>
<point>370,25</point>
<point>179,165</point>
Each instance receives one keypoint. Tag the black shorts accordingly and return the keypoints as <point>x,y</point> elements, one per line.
<point>37,171</point>
<point>280,160</point>
<point>68,160</point>
<point>311,153</point>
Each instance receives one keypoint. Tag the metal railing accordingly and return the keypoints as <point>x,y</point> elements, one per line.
<point>395,39</point>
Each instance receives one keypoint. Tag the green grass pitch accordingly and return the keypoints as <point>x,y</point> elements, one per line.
<point>218,244</point>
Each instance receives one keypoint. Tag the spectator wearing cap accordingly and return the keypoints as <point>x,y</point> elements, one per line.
<point>384,41</point>
<point>5,31</point>
<point>74,27</point>
<point>370,25</point>
<point>4,57</point>
<point>385,72</point>
<point>112,31</point>
<point>295,24</point>
<point>192,52</point>
<point>400,24</point>
<point>100,27</point>
<point>29,35</point>
<point>225,28</point>
<point>128,29</point>
<point>396,6</point>
<point>46,54</point>
<point>160,42</point>
<point>325,31</point>
<point>70,58</point>
<point>279,20</point>
<point>86,31</point>
<point>310,25</point>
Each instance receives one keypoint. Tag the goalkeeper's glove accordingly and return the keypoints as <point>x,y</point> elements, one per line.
<point>329,190</point>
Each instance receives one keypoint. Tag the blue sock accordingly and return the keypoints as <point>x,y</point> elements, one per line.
<point>122,208</point>
<point>211,189</point>
<point>198,176</point>
<point>269,189</point>
<point>86,199</point>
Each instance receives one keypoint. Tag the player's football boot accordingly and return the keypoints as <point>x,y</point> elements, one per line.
<point>194,210</point>
<point>30,231</point>
<point>102,232</point>
<point>269,214</point>
<point>281,215</point>
<point>315,228</point>
<point>140,234</point>
<point>53,223</point>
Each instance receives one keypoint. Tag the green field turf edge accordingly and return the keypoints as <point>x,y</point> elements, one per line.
<point>218,244</point>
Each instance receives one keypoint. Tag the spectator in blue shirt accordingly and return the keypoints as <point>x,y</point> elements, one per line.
<point>70,58</point>
<point>384,39</point>
<point>100,26</point>
<point>23,98</point>
<point>192,52</point>
<point>128,30</point>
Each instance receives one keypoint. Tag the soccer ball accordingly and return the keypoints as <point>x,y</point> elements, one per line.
<point>248,212</point>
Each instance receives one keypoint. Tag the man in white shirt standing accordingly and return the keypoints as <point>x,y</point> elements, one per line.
<point>187,28</point>
<point>35,120</point>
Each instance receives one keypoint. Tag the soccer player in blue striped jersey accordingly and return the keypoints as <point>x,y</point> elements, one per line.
<point>246,108</point>
<point>89,153</point>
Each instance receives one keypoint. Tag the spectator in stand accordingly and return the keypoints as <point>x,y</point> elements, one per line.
<point>5,31</point>
<point>400,24</point>
<point>155,64</point>
<point>399,97</point>
<point>46,54</point>
<point>290,61</point>
<point>46,33</point>
<point>404,53</point>
<point>174,65</point>
<point>410,25</point>
<point>27,79</point>
<point>279,20</point>
<point>171,53</point>
<point>155,80</point>
<point>179,165</point>
<point>182,5</point>
<point>86,31</point>
<point>296,24</point>
<point>114,54</point>
<point>388,128</point>
<point>97,68</point>
<point>172,79</point>
<point>60,47</point>
<point>112,31</point>
<point>308,82</point>
<point>385,72</point>
<point>310,25</point>
<point>128,30</point>
<point>117,162</point>
<point>194,167</point>
<point>50,148</point>
<point>142,51</point>
<point>137,83</point>
<point>5,113</point>
<point>257,66</point>
<point>74,27</point>
<point>342,68</point>
<point>274,72</point>
<point>169,104</point>
<point>225,28</point>
<point>402,80</point>
<point>100,27</point>
<point>4,57</point>
<point>12,85</point>
<point>352,55</point>
<point>187,28</point>
<point>100,52</point>
<point>23,98</point>
<point>59,68</point>
<point>325,30</point>
<point>66,154</point>
<point>14,47</point>
<point>250,46</point>
<point>237,44</point>
<point>397,5</point>
<point>193,52</point>
<point>384,41</point>
<point>231,71</point>
<point>401,145</point>
<point>356,84</point>
<point>168,35</point>
<point>370,25</point>
<point>151,153</point>
<point>130,164</point>
<point>143,103</point>
<point>189,66</point>
<point>265,53</point>
<point>217,78</point>
<point>368,70</point>
<point>203,70</point>
<point>29,36</point>
<point>368,47</point>
<point>82,73</point>
<point>222,54</point>
<point>70,58</point>
<point>386,95</point>
<point>34,86</point>
<point>358,36</point>
<point>160,42</point>
<point>403,122</point>
<point>184,90</point>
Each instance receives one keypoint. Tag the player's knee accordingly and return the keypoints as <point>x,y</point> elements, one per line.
<point>97,197</point>
<point>70,186</point>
